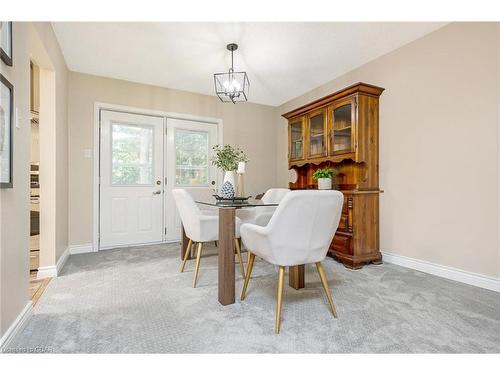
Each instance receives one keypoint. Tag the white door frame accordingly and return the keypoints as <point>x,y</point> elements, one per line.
<point>98,106</point>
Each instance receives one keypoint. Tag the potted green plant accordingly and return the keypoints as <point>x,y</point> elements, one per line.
<point>324,177</point>
<point>227,157</point>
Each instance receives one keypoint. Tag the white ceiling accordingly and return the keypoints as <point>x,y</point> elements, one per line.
<point>283,60</point>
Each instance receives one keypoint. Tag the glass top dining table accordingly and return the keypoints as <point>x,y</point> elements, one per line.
<point>226,242</point>
<point>235,203</point>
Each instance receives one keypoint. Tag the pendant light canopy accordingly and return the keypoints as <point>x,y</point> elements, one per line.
<point>232,86</point>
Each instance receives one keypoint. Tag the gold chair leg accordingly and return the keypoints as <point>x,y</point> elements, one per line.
<point>251,259</point>
<point>240,259</point>
<point>279,302</point>
<point>186,255</point>
<point>324,281</point>
<point>198,257</point>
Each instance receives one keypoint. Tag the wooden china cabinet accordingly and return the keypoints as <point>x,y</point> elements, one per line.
<point>340,131</point>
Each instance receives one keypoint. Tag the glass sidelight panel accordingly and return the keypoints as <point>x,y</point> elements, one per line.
<point>131,154</point>
<point>341,136</point>
<point>317,135</point>
<point>191,157</point>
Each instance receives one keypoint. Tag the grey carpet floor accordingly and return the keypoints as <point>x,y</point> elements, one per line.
<point>134,300</point>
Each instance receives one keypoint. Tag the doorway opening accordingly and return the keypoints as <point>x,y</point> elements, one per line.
<point>36,285</point>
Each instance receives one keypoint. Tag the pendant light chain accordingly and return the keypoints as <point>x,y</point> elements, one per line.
<point>232,62</point>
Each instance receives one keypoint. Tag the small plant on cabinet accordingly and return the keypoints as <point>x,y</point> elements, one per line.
<point>324,177</point>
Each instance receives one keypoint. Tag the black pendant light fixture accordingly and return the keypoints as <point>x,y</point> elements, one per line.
<point>232,86</point>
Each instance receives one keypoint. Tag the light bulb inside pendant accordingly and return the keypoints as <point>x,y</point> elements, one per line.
<point>232,86</point>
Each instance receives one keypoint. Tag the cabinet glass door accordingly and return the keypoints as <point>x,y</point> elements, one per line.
<point>317,144</point>
<point>341,130</point>
<point>296,139</point>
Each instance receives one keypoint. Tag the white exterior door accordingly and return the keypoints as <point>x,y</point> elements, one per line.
<point>131,179</point>
<point>187,164</point>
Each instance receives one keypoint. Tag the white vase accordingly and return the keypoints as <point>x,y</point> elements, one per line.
<point>324,183</point>
<point>228,177</point>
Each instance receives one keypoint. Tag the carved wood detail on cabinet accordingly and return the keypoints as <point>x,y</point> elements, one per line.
<point>341,131</point>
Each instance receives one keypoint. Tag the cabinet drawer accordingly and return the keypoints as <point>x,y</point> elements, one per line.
<point>342,244</point>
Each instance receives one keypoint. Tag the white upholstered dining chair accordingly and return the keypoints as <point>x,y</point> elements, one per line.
<point>299,232</point>
<point>200,227</point>
<point>203,194</point>
<point>262,215</point>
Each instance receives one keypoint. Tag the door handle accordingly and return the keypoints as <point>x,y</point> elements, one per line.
<point>157,192</point>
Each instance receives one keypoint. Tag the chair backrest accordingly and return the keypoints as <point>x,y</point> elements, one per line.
<point>274,195</point>
<point>303,226</point>
<point>201,193</point>
<point>189,212</point>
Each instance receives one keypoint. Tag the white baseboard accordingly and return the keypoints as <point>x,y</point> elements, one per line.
<point>53,271</point>
<point>81,249</point>
<point>136,244</point>
<point>16,326</point>
<point>62,260</point>
<point>455,274</point>
<point>48,271</point>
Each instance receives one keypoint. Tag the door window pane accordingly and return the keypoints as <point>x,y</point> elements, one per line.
<point>191,157</point>
<point>132,154</point>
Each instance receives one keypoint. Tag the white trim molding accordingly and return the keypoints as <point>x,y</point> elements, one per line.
<point>455,274</point>
<point>81,249</point>
<point>62,260</point>
<point>53,271</point>
<point>47,271</point>
<point>16,326</point>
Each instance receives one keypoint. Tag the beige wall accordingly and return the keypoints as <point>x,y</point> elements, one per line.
<point>250,126</point>
<point>14,203</point>
<point>439,146</point>
<point>37,40</point>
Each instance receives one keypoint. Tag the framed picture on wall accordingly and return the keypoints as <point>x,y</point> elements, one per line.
<point>6,42</point>
<point>6,122</point>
